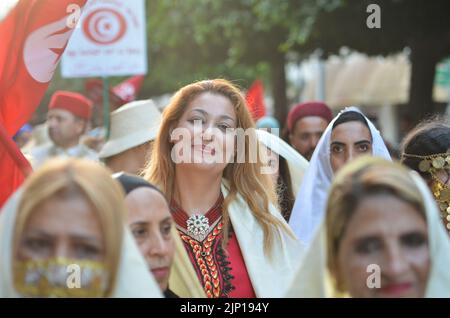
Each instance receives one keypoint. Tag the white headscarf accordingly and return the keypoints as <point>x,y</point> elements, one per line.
<point>312,277</point>
<point>133,278</point>
<point>309,206</point>
<point>296,163</point>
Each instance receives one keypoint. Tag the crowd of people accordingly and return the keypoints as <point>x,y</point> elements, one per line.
<point>202,200</point>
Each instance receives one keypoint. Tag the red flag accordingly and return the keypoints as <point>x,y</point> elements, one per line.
<point>33,37</point>
<point>119,95</point>
<point>129,89</point>
<point>255,100</point>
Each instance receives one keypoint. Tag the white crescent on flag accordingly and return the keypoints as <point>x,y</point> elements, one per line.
<point>34,34</point>
<point>39,53</point>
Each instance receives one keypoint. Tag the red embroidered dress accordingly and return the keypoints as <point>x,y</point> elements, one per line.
<point>221,274</point>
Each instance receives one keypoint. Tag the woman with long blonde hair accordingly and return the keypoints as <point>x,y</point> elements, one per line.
<point>223,202</point>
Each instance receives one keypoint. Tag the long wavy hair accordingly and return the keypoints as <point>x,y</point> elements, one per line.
<point>245,179</point>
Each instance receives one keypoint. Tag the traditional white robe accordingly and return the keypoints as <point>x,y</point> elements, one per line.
<point>270,274</point>
<point>41,154</point>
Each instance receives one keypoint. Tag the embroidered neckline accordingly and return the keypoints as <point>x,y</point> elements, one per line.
<point>181,218</point>
<point>205,263</point>
<point>210,260</point>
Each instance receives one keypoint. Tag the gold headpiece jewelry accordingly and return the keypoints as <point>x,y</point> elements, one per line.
<point>441,192</point>
<point>431,163</point>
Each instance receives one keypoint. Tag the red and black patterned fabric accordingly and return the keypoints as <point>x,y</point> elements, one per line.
<point>221,273</point>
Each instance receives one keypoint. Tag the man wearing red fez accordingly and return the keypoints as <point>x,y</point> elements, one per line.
<point>68,117</point>
<point>306,123</point>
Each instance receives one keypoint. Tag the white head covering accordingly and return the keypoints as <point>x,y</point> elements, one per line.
<point>312,278</point>
<point>296,163</point>
<point>309,206</point>
<point>133,278</point>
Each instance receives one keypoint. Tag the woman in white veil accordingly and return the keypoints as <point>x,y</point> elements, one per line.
<point>309,206</point>
<point>290,171</point>
<point>130,275</point>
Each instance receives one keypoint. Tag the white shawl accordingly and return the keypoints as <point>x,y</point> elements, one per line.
<point>270,276</point>
<point>296,163</point>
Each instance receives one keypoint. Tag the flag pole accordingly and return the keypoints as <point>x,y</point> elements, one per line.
<point>106,106</point>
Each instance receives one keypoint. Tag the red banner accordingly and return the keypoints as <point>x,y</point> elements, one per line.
<point>255,100</point>
<point>33,37</point>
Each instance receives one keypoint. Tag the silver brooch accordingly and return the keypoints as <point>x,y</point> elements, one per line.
<point>198,226</point>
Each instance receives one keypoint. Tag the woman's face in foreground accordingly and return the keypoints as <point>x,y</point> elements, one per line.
<point>385,242</point>
<point>62,228</point>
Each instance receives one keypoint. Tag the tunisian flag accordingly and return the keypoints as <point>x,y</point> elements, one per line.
<point>255,100</point>
<point>33,37</point>
<point>119,95</point>
<point>129,89</point>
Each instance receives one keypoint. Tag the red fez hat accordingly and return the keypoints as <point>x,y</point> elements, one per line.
<point>306,109</point>
<point>75,103</point>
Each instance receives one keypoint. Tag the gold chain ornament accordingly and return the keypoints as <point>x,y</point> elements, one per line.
<point>432,164</point>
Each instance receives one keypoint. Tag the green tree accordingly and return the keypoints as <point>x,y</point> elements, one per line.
<point>423,26</point>
<point>190,40</point>
<point>243,39</point>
